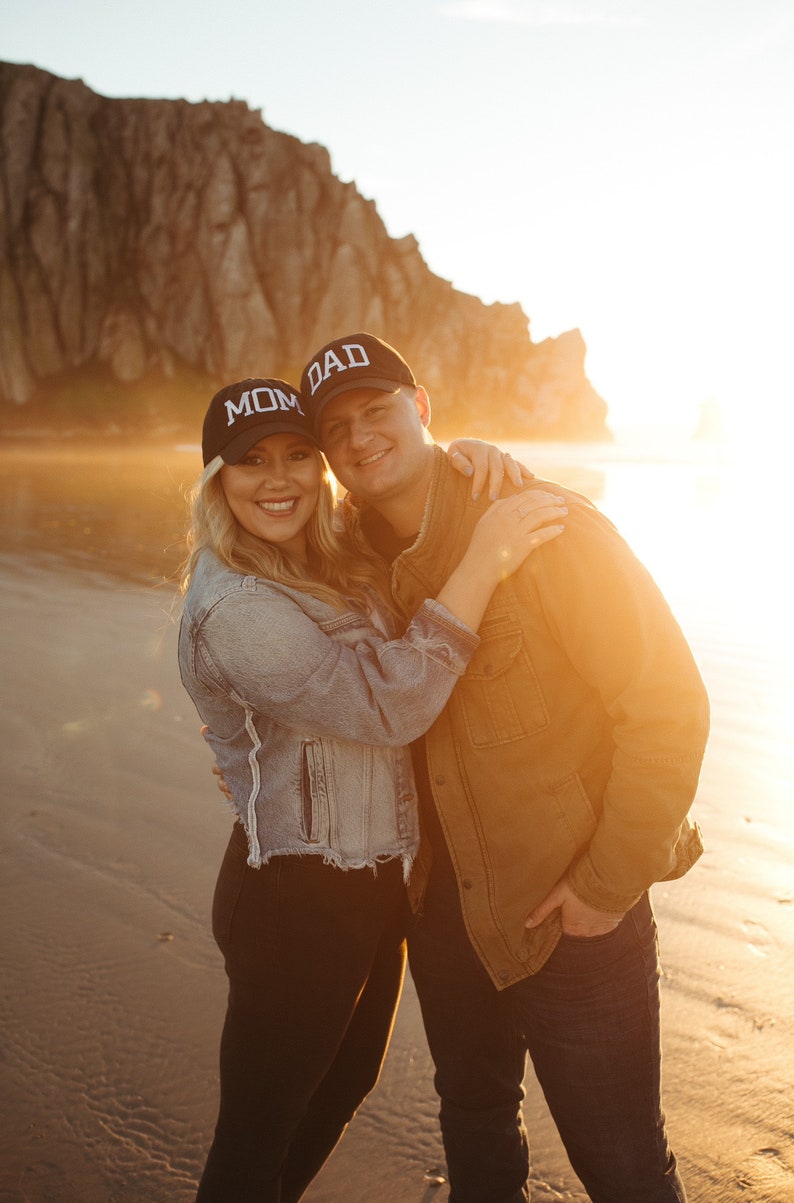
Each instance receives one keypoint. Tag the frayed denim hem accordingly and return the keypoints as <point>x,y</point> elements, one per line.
<point>337,859</point>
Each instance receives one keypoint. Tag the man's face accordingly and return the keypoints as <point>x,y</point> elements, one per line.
<point>375,442</point>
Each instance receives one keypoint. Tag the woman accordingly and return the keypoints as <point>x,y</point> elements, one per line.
<point>286,648</point>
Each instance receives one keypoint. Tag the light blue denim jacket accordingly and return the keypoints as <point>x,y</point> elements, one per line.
<point>310,710</point>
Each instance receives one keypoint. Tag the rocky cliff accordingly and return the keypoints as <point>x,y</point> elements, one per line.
<point>152,250</point>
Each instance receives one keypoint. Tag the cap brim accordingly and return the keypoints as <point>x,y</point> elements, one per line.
<point>242,443</point>
<point>385,386</point>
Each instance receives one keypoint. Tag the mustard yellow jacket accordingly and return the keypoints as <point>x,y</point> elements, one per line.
<point>572,745</point>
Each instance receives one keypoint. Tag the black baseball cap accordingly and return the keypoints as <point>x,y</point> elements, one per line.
<point>241,414</point>
<point>354,361</point>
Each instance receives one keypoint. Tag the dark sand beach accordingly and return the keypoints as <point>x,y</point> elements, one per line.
<point>111,831</point>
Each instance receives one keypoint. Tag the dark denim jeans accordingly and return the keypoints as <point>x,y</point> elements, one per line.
<point>590,1021</point>
<point>315,958</point>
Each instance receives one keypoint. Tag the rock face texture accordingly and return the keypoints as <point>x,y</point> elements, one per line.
<point>148,243</point>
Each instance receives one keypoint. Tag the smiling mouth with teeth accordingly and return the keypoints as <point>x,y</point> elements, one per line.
<point>278,507</point>
<point>371,459</point>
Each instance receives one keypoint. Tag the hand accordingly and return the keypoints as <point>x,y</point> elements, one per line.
<point>221,783</point>
<point>480,460</point>
<point>578,919</point>
<point>216,769</point>
<point>512,528</point>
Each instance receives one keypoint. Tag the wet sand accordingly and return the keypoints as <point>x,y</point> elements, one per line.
<point>112,992</point>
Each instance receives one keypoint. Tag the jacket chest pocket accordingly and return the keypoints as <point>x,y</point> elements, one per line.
<point>315,804</point>
<point>499,696</point>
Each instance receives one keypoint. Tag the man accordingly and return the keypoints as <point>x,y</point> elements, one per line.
<point>554,791</point>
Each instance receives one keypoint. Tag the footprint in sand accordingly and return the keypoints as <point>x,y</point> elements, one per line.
<point>732,1023</point>
<point>758,938</point>
<point>768,1176</point>
<point>729,1024</point>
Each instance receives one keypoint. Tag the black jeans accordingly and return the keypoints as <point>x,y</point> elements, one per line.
<point>590,1021</point>
<point>315,958</point>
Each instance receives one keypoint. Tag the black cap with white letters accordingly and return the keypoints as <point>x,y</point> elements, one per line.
<point>354,361</point>
<point>241,414</point>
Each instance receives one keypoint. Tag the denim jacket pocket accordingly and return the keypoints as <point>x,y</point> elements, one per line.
<point>315,804</point>
<point>500,695</point>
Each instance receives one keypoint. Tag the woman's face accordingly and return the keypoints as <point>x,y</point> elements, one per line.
<point>273,491</point>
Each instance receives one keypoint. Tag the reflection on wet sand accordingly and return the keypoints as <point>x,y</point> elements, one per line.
<point>114,509</point>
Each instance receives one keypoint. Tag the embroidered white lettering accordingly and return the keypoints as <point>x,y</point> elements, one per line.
<point>332,362</point>
<point>315,376</point>
<point>356,358</point>
<point>363,359</point>
<point>268,405</point>
<point>265,401</point>
<point>289,401</point>
<point>243,409</point>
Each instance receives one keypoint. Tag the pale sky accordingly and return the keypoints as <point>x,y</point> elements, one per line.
<point>624,166</point>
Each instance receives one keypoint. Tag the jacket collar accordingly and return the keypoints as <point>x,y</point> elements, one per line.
<point>447,508</point>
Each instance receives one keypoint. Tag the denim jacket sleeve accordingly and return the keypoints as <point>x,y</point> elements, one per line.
<point>338,677</point>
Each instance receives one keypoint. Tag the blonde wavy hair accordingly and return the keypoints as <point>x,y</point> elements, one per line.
<point>336,573</point>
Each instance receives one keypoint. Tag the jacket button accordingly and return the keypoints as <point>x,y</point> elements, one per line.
<point>467,883</point>
<point>503,975</point>
<point>441,780</point>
